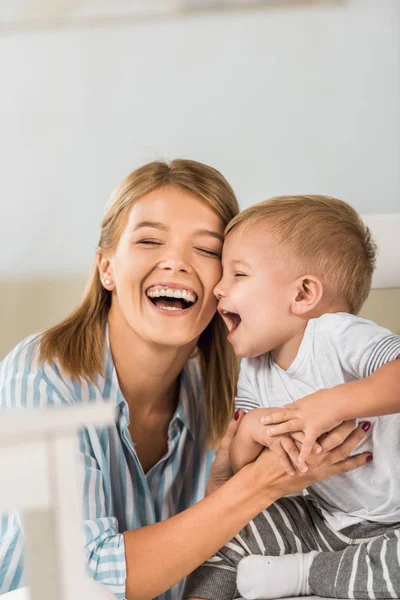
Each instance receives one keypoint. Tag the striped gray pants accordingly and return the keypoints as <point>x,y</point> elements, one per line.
<point>360,561</point>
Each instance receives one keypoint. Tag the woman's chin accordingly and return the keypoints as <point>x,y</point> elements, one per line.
<point>173,337</point>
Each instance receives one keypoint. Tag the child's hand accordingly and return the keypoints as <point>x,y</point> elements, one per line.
<point>287,450</point>
<point>313,415</point>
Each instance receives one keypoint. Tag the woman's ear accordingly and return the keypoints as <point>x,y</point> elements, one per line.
<point>309,291</point>
<point>105,271</point>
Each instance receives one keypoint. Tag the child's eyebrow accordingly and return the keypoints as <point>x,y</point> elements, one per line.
<point>240,262</point>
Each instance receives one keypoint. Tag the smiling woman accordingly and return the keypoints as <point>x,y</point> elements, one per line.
<point>171,245</point>
<point>146,337</point>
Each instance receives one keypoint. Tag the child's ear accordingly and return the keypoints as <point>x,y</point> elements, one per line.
<point>309,290</point>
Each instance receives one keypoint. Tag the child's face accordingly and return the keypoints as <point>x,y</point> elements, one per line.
<point>255,292</point>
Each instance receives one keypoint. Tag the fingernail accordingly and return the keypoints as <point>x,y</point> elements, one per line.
<point>366,425</point>
<point>270,430</point>
<point>369,458</point>
<point>236,416</point>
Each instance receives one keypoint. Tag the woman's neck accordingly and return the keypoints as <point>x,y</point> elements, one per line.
<point>147,373</point>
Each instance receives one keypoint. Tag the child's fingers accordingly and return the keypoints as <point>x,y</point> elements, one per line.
<point>280,416</point>
<point>298,436</point>
<point>292,451</point>
<point>305,452</point>
<point>316,449</point>
<point>280,452</point>
<point>288,427</point>
<point>310,439</point>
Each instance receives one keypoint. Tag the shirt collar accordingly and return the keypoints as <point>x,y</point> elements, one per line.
<point>190,392</point>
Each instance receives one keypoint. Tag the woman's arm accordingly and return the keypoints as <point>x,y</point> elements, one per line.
<point>160,555</point>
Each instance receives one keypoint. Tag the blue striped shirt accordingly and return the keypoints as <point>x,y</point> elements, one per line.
<point>117,494</point>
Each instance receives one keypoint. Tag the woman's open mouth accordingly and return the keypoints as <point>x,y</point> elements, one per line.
<point>172,300</point>
<point>232,320</point>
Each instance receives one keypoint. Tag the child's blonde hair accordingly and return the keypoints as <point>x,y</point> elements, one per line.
<point>323,236</point>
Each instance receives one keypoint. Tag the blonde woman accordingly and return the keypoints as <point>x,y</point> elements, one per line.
<point>146,338</point>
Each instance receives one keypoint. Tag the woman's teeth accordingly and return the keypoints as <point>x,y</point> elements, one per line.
<point>189,297</point>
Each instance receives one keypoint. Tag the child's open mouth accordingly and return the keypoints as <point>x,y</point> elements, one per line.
<point>232,320</point>
<point>171,299</point>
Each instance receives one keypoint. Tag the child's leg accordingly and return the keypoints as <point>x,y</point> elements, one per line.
<point>287,527</point>
<point>368,568</point>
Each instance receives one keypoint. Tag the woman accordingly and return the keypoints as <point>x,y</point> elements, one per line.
<point>146,337</point>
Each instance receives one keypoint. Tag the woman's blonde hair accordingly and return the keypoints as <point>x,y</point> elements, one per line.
<point>78,341</point>
<point>322,235</point>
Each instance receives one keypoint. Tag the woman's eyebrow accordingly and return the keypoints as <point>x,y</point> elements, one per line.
<point>213,234</point>
<point>163,227</point>
<point>155,224</point>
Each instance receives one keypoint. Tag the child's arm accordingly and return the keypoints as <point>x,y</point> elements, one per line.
<point>378,394</point>
<point>251,438</point>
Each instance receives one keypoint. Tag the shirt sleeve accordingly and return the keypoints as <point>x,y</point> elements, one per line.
<point>104,543</point>
<point>247,396</point>
<point>361,345</point>
<point>11,553</point>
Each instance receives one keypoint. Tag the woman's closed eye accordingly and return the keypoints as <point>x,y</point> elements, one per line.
<point>239,274</point>
<point>150,242</point>
<point>210,252</point>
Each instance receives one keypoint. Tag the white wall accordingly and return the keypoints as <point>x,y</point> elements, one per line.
<point>281,101</point>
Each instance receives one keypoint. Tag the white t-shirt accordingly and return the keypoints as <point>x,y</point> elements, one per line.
<point>337,348</point>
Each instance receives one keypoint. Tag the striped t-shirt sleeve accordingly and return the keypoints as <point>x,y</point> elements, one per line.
<point>386,350</point>
<point>361,345</point>
<point>247,397</point>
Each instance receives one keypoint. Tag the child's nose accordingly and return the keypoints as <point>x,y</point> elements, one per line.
<point>218,291</point>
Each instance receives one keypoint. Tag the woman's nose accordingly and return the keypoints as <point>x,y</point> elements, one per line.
<point>175,263</point>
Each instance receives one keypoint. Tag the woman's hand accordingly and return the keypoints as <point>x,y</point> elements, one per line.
<point>272,480</point>
<point>314,415</point>
<point>221,470</point>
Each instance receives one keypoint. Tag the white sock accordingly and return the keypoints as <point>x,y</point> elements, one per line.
<point>266,577</point>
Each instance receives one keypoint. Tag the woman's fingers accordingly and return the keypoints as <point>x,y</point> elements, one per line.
<point>337,436</point>
<point>231,430</point>
<point>349,464</point>
<point>343,451</point>
<point>221,469</point>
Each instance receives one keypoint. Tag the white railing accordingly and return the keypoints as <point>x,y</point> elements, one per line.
<point>38,479</point>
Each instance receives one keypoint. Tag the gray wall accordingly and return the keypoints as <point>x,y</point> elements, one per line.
<point>280,100</point>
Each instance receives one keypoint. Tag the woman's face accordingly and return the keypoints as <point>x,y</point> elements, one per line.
<point>165,267</point>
